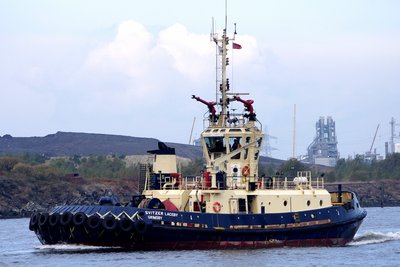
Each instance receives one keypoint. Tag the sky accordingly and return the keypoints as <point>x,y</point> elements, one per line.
<point>130,67</point>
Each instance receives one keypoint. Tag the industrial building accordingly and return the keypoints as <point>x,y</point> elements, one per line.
<point>323,150</point>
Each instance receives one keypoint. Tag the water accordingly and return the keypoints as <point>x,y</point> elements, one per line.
<point>376,244</point>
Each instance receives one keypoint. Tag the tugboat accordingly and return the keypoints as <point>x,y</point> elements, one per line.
<point>228,206</point>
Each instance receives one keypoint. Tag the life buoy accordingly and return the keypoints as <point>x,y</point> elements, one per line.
<point>246,171</point>
<point>216,207</point>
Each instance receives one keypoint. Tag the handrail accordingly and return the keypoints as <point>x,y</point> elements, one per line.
<point>236,182</point>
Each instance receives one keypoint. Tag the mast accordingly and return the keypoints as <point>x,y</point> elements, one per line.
<point>231,141</point>
<point>222,50</point>
<point>224,104</point>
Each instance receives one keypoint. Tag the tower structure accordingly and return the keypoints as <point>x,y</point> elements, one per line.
<point>323,150</point>
<point>393,137</point>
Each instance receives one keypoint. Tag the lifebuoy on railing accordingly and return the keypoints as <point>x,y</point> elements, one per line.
<point>246,171</point>
<point>216,207</point>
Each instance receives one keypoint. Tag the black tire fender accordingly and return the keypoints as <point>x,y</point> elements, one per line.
<point>54,219</point>
<point>66,218</point>
<point>94,221</point>
<point>109,223</point>
<point>43,219</point>
<point>125,224</point>
<point>140,227</point>
<point>33,223</point>
<point>79,218</point>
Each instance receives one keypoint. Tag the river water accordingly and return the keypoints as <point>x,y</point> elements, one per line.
<point>377,243</point>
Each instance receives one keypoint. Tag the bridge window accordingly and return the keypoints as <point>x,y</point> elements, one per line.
<point>256,154</point>
<point>215,145</point>
<point>259,142</point>
<point>234,144</point>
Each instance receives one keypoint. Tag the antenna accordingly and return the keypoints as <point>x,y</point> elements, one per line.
<point>222,61</point>
<point>393,134</point>
<point>294,132</point>
<point>212,33</point>
<point>226,13</point>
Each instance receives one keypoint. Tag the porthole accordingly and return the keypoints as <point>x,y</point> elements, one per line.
<point>321,202</point>
<point>308,202</point>
<point>312,216</point>
<point>285,203</point>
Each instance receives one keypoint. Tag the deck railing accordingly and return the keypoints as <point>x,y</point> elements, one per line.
<point>270,183</point>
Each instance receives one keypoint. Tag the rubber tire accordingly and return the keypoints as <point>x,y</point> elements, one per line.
<point>125,224</point>
<point>54,219</point>
<point>94,222</point>
<point>140,227</point>
<point>43,219</point>
<point>33,223</point>
<point>79,218</point>
<point>66,218</point>
<point>109,223</point>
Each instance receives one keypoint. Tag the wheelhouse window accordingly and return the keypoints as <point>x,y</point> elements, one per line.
<point>216,145</point>
<point>259,142</point>
<point>258,145</point>
<point>246,151</point>
<point>234,144</point>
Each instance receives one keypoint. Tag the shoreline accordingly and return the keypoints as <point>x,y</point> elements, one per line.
<point>19,198</point>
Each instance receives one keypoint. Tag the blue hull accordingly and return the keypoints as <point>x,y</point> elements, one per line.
<point>149,229</point>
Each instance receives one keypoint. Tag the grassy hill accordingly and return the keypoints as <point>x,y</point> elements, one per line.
<point>88,144</point>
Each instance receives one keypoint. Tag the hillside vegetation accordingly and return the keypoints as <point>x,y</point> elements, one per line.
<point>32,182</point>
<point>45,168</point>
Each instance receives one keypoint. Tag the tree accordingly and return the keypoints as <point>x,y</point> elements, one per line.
<point>291,167</point>
<point>7,163</point>
<point>194,167</point>
<point>63,165</point>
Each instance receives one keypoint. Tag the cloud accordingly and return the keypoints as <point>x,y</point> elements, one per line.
<point>191,53</point>
<point>127,53</point>
<point>152,66</point>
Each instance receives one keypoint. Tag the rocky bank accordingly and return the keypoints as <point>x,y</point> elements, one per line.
<point>20,197</point>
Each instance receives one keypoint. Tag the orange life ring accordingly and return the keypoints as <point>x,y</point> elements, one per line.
<point>246,171</point>
<point>216,207</point>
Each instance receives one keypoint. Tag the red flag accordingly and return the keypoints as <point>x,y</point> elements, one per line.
<point>236,46</point>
